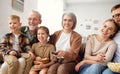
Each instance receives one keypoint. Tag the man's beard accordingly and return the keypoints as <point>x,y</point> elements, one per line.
<point>32,27</point>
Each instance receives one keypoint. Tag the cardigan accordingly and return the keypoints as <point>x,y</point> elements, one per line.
<point>75,44</point>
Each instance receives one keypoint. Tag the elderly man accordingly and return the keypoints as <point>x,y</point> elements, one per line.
<point>34,19</point>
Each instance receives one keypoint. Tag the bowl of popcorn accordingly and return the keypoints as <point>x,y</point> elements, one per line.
<point>43,60</point>
<point>115,67</point>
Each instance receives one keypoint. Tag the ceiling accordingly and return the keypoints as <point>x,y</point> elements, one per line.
<point>89,1</point>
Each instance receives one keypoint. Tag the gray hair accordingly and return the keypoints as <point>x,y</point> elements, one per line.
<point>72,15</point>
<point>36,12</point>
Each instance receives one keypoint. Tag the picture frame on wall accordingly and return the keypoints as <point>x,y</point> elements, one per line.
<point>18,5</point>
<point>88,27</point>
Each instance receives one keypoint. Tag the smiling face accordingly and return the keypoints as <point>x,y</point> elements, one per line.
<point>14,24</point>
<point>67,22</point>
<point>116,15</point>
<point>108,29</point>
<point>42,34</point>
<point>33,20</point>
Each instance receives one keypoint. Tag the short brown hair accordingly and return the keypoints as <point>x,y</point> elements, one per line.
<point>115,7</point>
<point>45,29</point>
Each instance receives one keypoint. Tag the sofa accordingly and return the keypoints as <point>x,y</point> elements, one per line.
<point>79,58</point>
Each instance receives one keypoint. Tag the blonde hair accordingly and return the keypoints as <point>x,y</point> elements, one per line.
<point>14,17</point>
<point>116,27</point>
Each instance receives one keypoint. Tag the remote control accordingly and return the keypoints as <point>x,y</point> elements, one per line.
<point>54,52</point>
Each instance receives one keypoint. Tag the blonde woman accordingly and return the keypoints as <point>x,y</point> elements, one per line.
<point>99,49</point>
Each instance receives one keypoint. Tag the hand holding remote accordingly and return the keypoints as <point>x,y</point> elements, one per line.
<point>54,52</point>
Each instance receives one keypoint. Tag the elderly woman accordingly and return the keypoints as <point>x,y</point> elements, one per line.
<point>67,43</point>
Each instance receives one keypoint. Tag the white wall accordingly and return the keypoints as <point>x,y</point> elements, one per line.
<point>88,13</point>
<point>51,11</point>
<point>6,10</point>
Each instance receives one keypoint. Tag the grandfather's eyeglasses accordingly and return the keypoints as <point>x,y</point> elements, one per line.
<point>116,15</point>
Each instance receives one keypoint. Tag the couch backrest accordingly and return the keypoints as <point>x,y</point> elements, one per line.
<point>81,52</point>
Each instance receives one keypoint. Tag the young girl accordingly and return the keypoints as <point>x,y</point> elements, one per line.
<point>43,52</point>
<point>99,50</point>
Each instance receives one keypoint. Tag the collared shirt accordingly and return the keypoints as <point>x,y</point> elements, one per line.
<point>117,53</point>
<point>44,51</point>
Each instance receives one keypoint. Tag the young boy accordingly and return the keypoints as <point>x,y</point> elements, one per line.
<point>13,44</point>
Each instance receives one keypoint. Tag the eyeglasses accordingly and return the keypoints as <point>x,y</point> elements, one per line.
<point>116,15</point>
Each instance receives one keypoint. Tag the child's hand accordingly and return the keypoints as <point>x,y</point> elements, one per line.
<point>31,55</point>
<point>12,53</point>
<point>36,62</point>
<point>38,59</point>
<point>40,66</point>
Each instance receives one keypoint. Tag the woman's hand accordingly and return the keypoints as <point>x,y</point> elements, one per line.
<point>60,53</point>
<point>77,67</point>
<point>100,57</point>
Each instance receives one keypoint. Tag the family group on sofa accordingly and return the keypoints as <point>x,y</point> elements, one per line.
<point>32,50</point>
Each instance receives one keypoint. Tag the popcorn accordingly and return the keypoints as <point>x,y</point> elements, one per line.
<point>115,67</point>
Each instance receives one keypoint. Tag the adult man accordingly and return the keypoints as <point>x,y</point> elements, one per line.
<point>34,19</point>
<point>116,16</point>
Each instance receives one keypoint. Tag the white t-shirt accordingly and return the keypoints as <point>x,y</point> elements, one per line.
<point>63,42</point>
<point>16,42</point>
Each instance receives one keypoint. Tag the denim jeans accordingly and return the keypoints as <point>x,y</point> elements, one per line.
<point>92,69</point>
<point>108,71</point>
